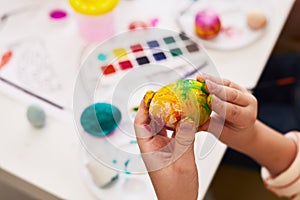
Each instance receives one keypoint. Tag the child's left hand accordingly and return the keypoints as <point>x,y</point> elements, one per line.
<point>170,161</point>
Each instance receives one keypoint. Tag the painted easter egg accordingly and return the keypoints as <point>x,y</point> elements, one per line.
<point>36,116</point>
<point>256,20</point>
<point>180,100</point>
<point>207,24</point>
<point>100,119</point>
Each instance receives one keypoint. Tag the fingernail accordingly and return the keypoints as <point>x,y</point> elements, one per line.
<point>201,75</point>
<point>211,86</point>
<point>147,127</point>
<point>205,76</point>
<point>186,124</point>
<point>186,120</point>
<point>210,98</point>
<point>201,80</point>
<point>216,102</point>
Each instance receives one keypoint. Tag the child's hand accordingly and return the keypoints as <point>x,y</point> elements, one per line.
<point>234,106</point>
<point>170,160</point>
<point>237,108</point>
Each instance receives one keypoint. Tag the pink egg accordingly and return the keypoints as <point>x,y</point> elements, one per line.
<point>207,24</point>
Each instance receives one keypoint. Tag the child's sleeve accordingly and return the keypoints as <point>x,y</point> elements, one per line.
<point>287,184</point>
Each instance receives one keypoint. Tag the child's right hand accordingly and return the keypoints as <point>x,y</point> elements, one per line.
<point>234,106</point>
<point>237,108</point>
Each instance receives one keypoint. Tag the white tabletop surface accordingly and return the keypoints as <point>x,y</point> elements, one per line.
<point>50,158</point>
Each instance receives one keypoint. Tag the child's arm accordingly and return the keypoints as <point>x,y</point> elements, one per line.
<point>270,149</point>
<point>243,132</point>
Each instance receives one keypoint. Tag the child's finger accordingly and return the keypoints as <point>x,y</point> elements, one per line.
<point>142,129</point>
<point>231,112</point>
<point>184,140</point>
<point>185,132</point>
<point>228,94</point>
<point>142,116</point>
<point>205,77</point>
<point>221,81</point>
<point>157,129</point>
<point>215,125</point>
<point>204,127</point>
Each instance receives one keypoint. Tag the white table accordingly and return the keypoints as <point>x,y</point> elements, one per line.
<point>46,163</point>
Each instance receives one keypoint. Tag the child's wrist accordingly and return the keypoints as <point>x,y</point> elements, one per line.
<point>247,140</point>
<point>263,145</point>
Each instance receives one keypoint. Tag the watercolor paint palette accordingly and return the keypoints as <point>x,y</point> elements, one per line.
<point>177,52</point>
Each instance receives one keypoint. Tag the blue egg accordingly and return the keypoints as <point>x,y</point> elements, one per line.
<point>100,119</point>
<point>36,116</point>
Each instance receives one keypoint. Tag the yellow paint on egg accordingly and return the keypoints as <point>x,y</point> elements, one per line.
<point>183,99</point>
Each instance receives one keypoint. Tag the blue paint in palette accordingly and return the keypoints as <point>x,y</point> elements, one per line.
<point>153,44</point>
<point>159,56</point>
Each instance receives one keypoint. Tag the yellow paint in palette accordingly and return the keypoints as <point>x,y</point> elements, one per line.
<point>183,99</point>
<point>120,53</point>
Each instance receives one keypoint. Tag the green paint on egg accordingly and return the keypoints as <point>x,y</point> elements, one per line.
<point>179,100</point>
<point>206,108</point>
<point>100,119</point>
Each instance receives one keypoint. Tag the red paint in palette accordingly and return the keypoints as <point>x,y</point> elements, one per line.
<point>5,58</point>
<point>136,48</point>
<point>125,65</point>
<point>108,69</point>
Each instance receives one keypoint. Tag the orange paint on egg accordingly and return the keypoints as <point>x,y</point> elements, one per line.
<point>147,99</point>
<point>180,100</point>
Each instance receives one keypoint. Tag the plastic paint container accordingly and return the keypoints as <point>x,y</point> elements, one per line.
<point>95,18</point>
